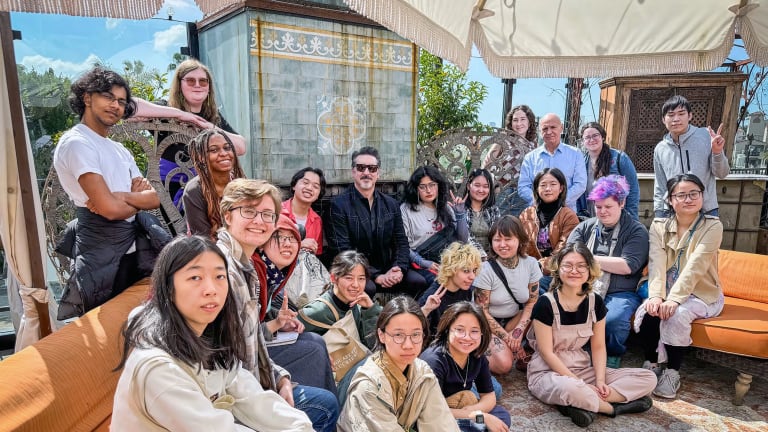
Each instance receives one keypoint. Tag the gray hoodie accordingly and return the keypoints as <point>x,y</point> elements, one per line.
<point>692,155</point>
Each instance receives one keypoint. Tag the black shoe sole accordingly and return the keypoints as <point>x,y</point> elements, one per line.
<point>636,406</point>
<point>579,417</point>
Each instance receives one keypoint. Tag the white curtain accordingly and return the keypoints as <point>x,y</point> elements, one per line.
<point>12,227</point>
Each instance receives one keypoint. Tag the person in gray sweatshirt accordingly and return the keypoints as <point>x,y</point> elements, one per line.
<point>687,149</point>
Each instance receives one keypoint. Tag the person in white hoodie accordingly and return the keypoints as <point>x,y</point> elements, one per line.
<point>183,353</point>
<point>687,149</point>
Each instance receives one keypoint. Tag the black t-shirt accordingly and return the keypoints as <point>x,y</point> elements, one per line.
<point>171,151</point>
<point>447,371</point>
<point>449,298</point>
<point>542,311</point>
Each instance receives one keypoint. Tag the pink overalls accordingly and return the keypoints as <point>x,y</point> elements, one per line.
<point>555,389</point>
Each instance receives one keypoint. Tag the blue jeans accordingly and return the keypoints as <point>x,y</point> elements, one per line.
<point>319,405</point>
<point>496,388</point>
<point>544,284</point>
<point>621,306</point>
<point>467,425</point>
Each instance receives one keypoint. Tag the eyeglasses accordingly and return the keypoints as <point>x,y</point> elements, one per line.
<point>251,213</point>
<point>692,195</point>
<point>399,338</point>
<point>427,186</point>
<point>283,239</point>
<point>112,99</point>
<point>592,137</point>
<point>202,82</point>
<point>473,334</point>
<point>215,150</point>
<point>362,167</point>
<point>581,268</point>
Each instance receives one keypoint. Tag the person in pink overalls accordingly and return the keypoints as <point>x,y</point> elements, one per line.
<point>561,372</point>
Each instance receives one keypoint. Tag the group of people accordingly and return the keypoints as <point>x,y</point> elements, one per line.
<point>243,314</point>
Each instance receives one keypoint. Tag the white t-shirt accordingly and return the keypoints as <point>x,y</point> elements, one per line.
<point>81,151</point>
<point>502,304</point>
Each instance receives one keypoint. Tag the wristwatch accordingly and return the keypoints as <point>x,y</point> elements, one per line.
<point>479,418</point>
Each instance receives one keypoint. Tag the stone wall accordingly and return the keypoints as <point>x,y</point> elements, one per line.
<point>309,92</point>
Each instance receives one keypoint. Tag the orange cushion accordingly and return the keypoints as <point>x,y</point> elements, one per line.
<point>742,328</point>
<point>65,382</point>
<point>743,275</point>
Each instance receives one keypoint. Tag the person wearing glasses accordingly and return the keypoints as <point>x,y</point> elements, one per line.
<point>482,211</point>
<point>213,157</point>
<point>275,262</point>
<point>601,160</point>
<point>619,245</point>
<point>192,92</point>
<point>394,390</point>
<point>109,245</point>
<point>683,284</point>
<point>249,216</point>
<point>687,149</point>
<point>370,222</point>
<point>433,218</point>
<point>553,154</point>
<point>457,357</point>
<point>561,371</point>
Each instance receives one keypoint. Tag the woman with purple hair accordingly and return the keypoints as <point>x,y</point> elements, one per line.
<point>620,246</point>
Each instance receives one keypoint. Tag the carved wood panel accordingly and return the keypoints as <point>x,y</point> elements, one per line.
<point>645,127</point>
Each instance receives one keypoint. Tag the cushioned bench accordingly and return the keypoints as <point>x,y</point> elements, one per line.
<point>65,381</point>
<point>738,338</point>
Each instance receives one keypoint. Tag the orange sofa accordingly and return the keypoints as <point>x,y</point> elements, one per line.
<point>65,381</point>
<point>738,337</point>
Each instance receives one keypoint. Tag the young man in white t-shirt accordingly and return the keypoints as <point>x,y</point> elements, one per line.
<point>101,178</point>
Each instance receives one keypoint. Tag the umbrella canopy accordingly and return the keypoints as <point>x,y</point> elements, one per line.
<point>585,38</point>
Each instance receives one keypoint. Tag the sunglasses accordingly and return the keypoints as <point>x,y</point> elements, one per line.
<point>371,168</point>
<point>202,82</point>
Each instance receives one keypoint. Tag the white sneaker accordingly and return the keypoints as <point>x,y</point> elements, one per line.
<point>655,369</point>
<point>668,385</point>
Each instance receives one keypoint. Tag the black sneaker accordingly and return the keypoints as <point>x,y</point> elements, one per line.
<point>579,417</point>
<point>636,406</point>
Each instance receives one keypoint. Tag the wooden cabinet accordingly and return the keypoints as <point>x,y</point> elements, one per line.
<point>630,109</point>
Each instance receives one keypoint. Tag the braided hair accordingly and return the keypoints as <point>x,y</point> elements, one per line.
<point>198,153</point>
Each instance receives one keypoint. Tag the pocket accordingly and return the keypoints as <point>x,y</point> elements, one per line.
<point>585,332</point>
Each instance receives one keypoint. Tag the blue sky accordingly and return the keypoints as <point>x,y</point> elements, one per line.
<point>70,45</point>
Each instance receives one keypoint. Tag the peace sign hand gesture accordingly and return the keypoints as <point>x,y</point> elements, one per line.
<point>457,203</point>
<point>718,142</point>
<point>434,300</point>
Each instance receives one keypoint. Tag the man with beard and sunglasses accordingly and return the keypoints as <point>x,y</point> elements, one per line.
<point>368,221</point>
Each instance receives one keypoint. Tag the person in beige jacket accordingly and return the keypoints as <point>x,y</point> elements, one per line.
<point>683,284</point>
<point>394,390</point>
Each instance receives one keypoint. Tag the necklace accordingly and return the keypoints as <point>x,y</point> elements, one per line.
<point>458,370</point>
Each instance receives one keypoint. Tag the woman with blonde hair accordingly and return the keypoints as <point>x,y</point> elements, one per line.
<point>459,266</point>
<point>562,372</point>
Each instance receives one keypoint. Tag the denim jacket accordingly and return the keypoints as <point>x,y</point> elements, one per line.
<point>376,231</point>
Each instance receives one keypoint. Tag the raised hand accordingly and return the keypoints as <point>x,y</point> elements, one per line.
<point>433,301</point>
<point>718,142</point>
<point>458,203</point>
<point>362,300</point>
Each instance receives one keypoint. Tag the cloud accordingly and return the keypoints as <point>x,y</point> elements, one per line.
<point>63,67</point>
<point>112,23</point>
<point>171,38</point>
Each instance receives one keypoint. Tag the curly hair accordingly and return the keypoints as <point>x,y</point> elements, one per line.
<point>99,80</point>
<point>210,110</point>
<point>443,188</point>
<point>455,257</point>
<point>612,186</point>
<point>530,134</point>
<point>198,153</point>
<point>581,249</point>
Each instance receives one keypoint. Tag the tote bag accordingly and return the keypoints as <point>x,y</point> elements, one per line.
<point>342,340</point>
